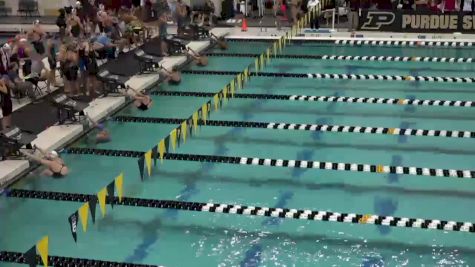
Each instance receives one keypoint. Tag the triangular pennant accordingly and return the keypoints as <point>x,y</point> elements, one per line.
<point>148,162</point>
<point>195,121</point>
<point>274,49</point>
<point>190,126</point>
<point>92,207</point>
<point>173,139</point>
<point>216,101</point>
<point>84,215</point>
<point>73,223</point>
<point>178,135</point>
<point>119,184</point>
<point>101,196</point>
<point>280,45</point>
<point>167,143</point>
<point>256,63</point>
<point>246,74</point>
<point>204,113</point>
<point>184,130</point>
<point>262,63</point>
<point>161,149</point>
<point>268,54</point>
<point>225,93</point>
<point>42,247</point>
<point>30,256</point>
<point>111,193</point>
<point>239,81</point>
<point>155,155</point>
<point>232,87</point>
<point>141,163</point>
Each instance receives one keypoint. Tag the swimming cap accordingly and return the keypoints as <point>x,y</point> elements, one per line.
<point>53,154</point>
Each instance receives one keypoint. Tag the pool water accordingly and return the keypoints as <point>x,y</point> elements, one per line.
<point>185,238</point>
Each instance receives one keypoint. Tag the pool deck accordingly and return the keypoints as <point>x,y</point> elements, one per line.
<point>58,136</point>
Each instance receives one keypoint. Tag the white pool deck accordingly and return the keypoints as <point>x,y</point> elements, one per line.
<point>58,136</point>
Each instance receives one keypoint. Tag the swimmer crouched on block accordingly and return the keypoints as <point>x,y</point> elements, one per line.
<point>56,167</point>
<point>173,77</point>
<point>141,101</point>
<point>103,135</point>
<point>200,60</point>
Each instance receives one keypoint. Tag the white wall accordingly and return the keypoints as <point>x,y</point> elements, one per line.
<point>42,5</point>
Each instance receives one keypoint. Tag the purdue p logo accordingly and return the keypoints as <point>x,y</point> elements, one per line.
<point>376,19</point>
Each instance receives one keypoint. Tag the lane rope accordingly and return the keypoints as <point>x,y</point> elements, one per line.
<point>405,43</point>
<point>16,257</point>
<point>369,42</point>
<point>308,127</point>
<point>336,166</point>
<point>299,214</point>
<point>335,76</point>
<point>356,58</point>
<point>342,99</point>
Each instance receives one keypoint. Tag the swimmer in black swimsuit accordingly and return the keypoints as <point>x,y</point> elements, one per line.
<point>173,77</point>
<point>51,160</point>
<point>142,102</point>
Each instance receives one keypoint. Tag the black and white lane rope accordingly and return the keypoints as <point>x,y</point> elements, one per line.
<point>356,58</point>
<point>341,99</point>
<point>335,76</point>
<point>298,214</point>
<point>285,163</point>
<point>308,127</point>
<point>16,257</point>
<point>405,43</point>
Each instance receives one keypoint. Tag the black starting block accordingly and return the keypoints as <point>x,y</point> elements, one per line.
<point>69,109</point>
<point>112,83</point>
<point>147,63</point>
<point>12,139</point>
<point>194,32</point>
<point>175,46</point>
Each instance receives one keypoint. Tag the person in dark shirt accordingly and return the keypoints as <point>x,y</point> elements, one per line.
<point>6,102</point>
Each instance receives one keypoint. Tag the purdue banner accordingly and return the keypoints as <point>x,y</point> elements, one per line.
<point>416,21</point>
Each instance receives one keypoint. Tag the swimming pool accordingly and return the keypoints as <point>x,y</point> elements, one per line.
<point>185,238</point>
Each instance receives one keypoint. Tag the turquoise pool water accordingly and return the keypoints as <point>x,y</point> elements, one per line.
<point>184,238</point>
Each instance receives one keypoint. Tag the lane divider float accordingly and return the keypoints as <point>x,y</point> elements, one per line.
<point>335,76</point>
<point>298,214</point>
<point>356,58</point>
<point>15,257</point>
<point>405,43</point>
<point>342,99</point>
<point>336,166</point>
<point>308,127</point>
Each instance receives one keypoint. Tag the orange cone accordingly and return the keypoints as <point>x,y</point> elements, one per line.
<point>244,25</point>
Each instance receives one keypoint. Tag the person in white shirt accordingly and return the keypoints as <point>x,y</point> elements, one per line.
<point>314,24</point>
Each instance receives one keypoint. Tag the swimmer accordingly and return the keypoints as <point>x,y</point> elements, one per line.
<point>220,41</point>
<point>173,77</point>
<point>51,160</point>
<point>103,135</point>
<point>200,60</point>
<point>141,101</point>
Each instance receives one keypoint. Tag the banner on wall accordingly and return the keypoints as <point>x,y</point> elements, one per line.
<point>416,21</point>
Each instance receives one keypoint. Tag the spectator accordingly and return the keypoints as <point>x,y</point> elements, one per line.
<point>162,33</point>
<point>354,6</point>
<point>6,102</point>
<point>74,24</point>
<point>61,23</point>
<point>181,16</point>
